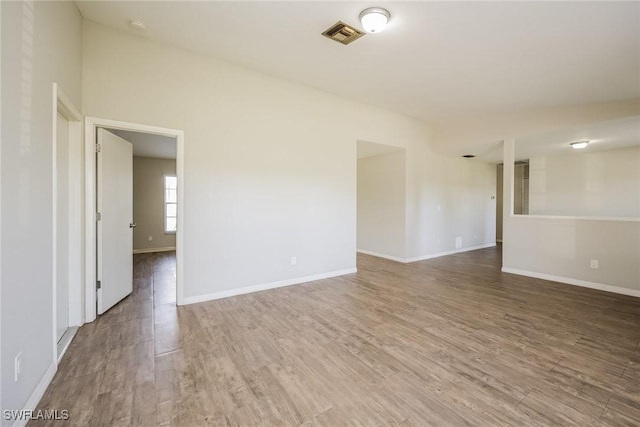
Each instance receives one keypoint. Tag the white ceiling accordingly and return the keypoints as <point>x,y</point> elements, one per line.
<point>436,60</point>
<point>149,145</point>
<point>603,136</point>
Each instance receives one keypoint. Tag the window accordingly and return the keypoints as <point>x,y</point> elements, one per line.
<point>170,203</point>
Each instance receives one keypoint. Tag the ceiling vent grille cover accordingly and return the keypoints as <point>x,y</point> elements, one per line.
<point>343,33</point>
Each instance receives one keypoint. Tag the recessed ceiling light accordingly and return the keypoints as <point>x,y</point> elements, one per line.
<point>579,144</point>
<point>374,19</point>
<point>138,25</point>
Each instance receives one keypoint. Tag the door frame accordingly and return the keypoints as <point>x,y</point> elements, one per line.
<point>90,128</point>
<point>63,105</point>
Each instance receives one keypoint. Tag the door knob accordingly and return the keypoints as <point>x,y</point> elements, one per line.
<point>132,225</point>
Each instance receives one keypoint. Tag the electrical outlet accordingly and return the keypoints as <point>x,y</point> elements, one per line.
<point>294,260</point>
<point>458,242</point>
<point>150,238</point>
<point>17,367</point>
<point>594,264</point>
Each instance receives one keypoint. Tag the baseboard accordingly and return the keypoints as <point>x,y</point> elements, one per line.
<point>424,257</point>
<point>379,255</point>
<point>151,250</point>
<point>574,282</point>
<point>66,341</point>
<point>37,394</point>
<point>265,286</point>
<point>455,251</point>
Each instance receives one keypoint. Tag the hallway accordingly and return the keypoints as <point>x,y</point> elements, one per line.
<point>109,368</point>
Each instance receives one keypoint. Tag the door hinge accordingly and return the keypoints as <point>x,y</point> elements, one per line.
<point>98,216</point>
<point>98,284</point>
<point>98,148</point>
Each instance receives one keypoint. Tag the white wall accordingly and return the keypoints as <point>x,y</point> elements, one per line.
<point>382,204</point>
<point>41,44</point>
<point>447,198</point>
<point>270,166</point>
<point>597,184</point>
<point>561,249</point>
<point>148,202</point>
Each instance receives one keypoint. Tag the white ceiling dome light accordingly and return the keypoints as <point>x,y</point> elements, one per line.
<point>137,25</point>
<point>374,19</point>
<point>579,144</point>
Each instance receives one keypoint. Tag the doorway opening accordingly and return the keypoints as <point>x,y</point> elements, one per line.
<point>520,194</point>
<point>134,192</point>
<point>68,227</point>
<point>155,213</point>
<point>499,203</point>
<point>381,196</point>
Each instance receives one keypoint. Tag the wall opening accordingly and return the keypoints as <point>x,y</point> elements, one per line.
<point>381,200</point>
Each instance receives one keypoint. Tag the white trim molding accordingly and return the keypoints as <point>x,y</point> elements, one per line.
<point>65,342</point>
<point>424,257</point>
<point>574,282</point>
<point>379,255</point>
<point>34,399</point>
<point>63,105</point>
<point>90,129</point>
<point>152,250</point>
<point>1,404</point>
<point>455,251</point>
<point>266,286</point>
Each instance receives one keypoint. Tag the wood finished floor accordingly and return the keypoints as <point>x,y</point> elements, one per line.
<point>449,341</point>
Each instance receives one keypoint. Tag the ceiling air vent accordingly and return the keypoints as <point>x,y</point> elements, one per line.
<point>343,33</point>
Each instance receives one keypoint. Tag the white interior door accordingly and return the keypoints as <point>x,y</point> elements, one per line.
<point>62,226</point>
<point>115,227</point>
